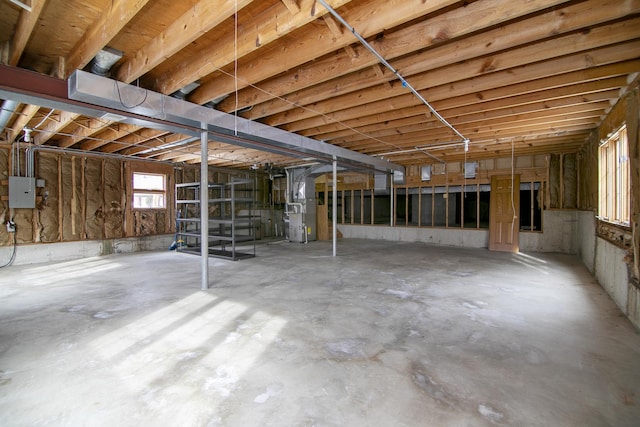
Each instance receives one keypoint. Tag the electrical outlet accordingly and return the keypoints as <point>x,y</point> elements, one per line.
<point>11,227</point>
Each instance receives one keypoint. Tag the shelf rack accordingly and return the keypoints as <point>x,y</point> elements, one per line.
<point>231,218</point>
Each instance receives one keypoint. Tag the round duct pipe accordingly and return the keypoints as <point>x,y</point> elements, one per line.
<point>8,108</point>
<point>104,60</point>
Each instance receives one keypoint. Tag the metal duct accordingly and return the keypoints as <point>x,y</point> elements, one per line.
<point>104,60</point>
<point>222,127</point>
<point>8,108</point>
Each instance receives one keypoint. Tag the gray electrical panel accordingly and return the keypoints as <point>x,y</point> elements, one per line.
<point>22,192</point>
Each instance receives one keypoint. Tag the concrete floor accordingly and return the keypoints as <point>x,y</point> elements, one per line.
<point>387,334</point>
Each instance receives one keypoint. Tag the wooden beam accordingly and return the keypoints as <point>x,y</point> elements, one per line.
<point>429,32</point>
<point>259,31</point>
<point>108,135</point>
<point>526,73</point>
<point>56,123</point>
<point>25,116</point>
<point>26,23</point>
<point>292,6</point>
<point>156,142</point>
<point>369,18</point>
<point>519,33</point>
<point>138,137</point>
<point>509,116</point>
<point>81,132</point>
<point>198,20</point>
<point>100,33</point>
<point>466,98</point>
<point>492,131</point>
<point>601,92</point>
<point>333,26</point>
<point>558,47</point>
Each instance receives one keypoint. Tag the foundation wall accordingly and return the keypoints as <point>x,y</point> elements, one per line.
<point>66,251</point>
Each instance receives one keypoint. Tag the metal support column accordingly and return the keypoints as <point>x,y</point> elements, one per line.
<point>392,202</point>
<point>335,207</point>
<point>204,206</point>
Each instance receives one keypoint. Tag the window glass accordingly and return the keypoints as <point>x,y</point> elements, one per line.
<point>149,191</point>
<point>148,181</point>
<point>614,191</point>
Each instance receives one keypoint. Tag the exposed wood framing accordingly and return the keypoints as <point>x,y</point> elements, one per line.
<point>100,33</point>
<point>199,19</point>
<point>24,29</point>
<point>260,31</point>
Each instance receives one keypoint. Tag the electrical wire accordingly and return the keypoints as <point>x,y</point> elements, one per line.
<point>146,93</point>
<point>326,116</point>
<point>384,62</point>
<point>13,253</point>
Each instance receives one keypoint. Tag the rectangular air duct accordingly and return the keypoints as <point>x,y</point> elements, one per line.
<point>223,127</point>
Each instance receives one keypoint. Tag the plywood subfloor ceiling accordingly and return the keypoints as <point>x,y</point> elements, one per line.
<point>536,76</point>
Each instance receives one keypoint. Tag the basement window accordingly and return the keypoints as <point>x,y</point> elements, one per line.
<point>531,206</point>
<point>613,170</point>
<point>149,191</point>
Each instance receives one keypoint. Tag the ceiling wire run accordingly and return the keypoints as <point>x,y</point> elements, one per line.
<point>384,62</point>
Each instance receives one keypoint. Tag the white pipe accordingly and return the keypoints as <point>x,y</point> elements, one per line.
<point>390,67</point>
<point>335,207</point>
<point>204,207</point>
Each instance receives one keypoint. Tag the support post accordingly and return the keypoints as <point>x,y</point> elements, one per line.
<point>204,206</point>
<point>334,208</point>
<point>391,201</point>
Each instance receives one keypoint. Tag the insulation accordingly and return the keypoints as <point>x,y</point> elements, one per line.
<point>94,221</point>
<point>554,181</point>
<point>24,225</point>
<point>588,175</point>
<point>145,223</point>
<point>48,218</point>
<point>71,173</point>
<point>113,203</point>
<point>569,181</point>
<point>161,221</point>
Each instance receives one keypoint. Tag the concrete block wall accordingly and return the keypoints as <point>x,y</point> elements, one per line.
<point>66,251</point>
<point>438,236</point>
<point>606,262</point>
<point>559,234</point>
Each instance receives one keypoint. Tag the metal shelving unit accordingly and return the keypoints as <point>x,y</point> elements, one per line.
<point>231,218</point>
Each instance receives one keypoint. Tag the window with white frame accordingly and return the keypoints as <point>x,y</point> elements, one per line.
<point>614,192</point>
<point>149,191</point>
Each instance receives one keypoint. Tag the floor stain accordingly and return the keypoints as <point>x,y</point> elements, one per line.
<point>432,388</point>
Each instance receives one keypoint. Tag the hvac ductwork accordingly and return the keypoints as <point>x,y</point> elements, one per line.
<point>8,108</point>
<point>104,60</point>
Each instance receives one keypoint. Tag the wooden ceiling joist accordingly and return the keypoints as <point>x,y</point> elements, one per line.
<point>370,18</point>
<point>198,20</point>
<point>419,36</point>
<point>100,33</point>
<point>574,17</point>
<point>541,73</point>
<point>24,29</point>
<point>522,74</point>
<point>258,32</point>
<point>546,51</point>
